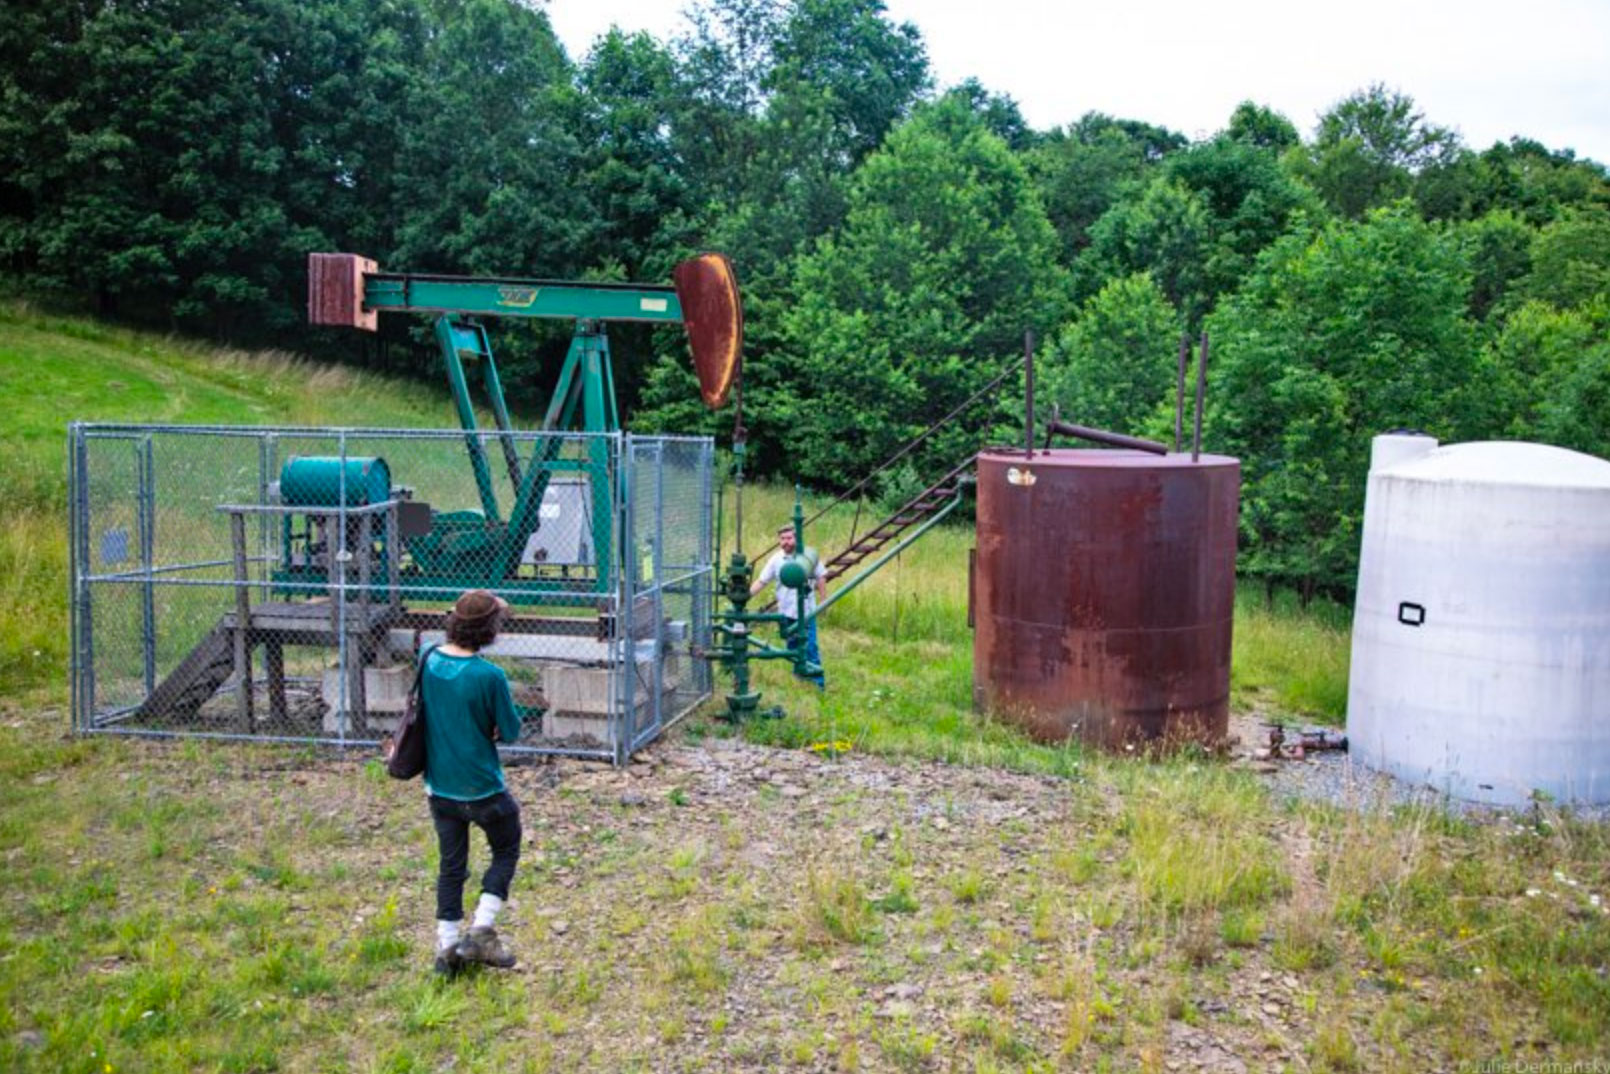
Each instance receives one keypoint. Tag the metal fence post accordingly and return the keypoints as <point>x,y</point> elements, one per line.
<point>146,523</point>
<point>624,729</point>
<point>76,629</point>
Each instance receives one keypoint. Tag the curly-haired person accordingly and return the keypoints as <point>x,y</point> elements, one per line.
<point>468,710</point>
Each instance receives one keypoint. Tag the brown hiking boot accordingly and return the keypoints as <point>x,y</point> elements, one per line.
<point>447,963</point>
<point>482,945</point>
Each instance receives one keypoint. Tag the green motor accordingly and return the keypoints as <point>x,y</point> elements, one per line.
<point>317,481</point>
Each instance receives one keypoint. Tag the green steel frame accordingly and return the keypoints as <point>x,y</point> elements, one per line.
<point>467,549</point>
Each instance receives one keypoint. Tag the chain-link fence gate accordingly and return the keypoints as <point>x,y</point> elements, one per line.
<point>277,583</point>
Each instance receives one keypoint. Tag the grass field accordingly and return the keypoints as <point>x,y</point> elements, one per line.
<point>883,880</point>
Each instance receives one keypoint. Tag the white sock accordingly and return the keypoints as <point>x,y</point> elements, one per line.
<point>446,935</point>
<point>486,911</point>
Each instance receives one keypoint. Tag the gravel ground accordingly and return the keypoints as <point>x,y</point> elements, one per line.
<point>1333,776</point>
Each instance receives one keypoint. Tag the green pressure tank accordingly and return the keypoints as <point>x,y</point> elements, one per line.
<point>316,481</point>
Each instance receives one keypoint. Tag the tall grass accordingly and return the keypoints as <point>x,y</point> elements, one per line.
<point>1289,660</point>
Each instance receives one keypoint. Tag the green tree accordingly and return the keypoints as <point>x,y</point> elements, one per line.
<point>945,259</point>
<point>153,174</point>
<point>1339,334</point>
<point>1499,248</point>
<point>1538,185</point>
<point>1165,229</point>
<point>1081,170</point>
<point>1198,224</point>
<point>642,196</point>
<point>1255,125</point>
<point>863,69</point>
<point>841,76</point>
<point>1115,364</point>
<point>486,177</point>
<point>822,83</point>
<point>1576,411</point>
<point>1547,364</point>
<point>1368,149</point>
<point>1571,260</point>
<point>723,60</point>
<point>488,168</point>
<point>999,112</point>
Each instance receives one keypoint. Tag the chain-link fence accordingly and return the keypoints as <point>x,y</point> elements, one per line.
<point>278,583</point>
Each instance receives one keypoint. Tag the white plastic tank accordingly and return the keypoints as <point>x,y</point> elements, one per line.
<point>1481,636</point>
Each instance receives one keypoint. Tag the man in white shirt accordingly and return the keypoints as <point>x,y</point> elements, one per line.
<point>788,597</point>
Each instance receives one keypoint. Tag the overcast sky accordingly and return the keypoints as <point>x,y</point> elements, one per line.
<point>1488,68</point>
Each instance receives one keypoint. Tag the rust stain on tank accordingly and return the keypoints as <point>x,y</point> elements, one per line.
<point>1104,594</point>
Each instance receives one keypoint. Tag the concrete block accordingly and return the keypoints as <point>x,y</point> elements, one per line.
<point>386,691</point>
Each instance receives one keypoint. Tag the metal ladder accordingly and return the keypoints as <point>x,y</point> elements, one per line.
<point>938,497</point>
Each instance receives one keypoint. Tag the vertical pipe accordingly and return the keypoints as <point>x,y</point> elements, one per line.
<point>1179,389</point>
<point>1201,393</point>
<point>1028,392</point>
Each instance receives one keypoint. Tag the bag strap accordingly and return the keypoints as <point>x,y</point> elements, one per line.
<point>417,690</point>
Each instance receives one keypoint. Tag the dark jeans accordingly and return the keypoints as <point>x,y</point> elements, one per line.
<point>499,818</point>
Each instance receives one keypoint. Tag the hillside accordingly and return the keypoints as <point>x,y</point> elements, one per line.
<point>55,370</point>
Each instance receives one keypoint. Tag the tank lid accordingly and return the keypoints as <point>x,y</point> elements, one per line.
<point>1508,462</point>
<point>1103,458</point>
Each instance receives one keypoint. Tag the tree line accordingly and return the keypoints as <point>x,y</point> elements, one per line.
<point>172,162</point>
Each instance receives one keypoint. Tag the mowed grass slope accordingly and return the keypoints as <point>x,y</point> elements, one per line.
<point>55,370</point>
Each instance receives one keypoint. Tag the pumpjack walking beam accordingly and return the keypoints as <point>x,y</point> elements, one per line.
<point>347,290</point>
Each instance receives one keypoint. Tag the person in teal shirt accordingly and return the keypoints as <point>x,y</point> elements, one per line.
<point>468,711</point>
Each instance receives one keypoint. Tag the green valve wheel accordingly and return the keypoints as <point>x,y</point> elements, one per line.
<point>797,571</point>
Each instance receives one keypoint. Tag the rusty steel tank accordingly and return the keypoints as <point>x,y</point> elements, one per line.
<point>1102,594</point>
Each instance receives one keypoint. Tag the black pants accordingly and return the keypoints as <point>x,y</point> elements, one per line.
<point>499,818</point>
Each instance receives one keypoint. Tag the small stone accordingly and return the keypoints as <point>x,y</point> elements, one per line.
<point>942,824</point>
<point>896,1009</point>
<point>632,799</point>
<point>1271,1009</point>
<point>789,790</point>
<point>559,927</point>
<point>30,1039</point>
